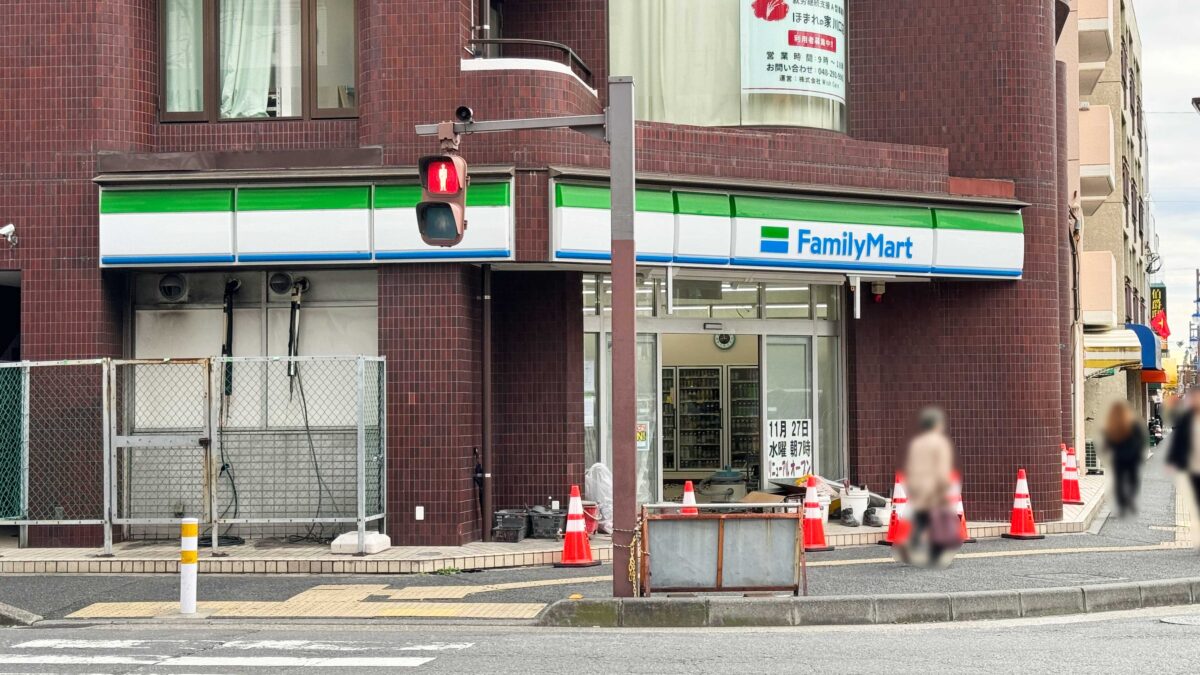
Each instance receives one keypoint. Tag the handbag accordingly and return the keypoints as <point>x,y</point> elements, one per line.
<point>943,528</point>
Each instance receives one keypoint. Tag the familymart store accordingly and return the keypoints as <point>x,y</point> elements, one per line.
<point>742,304</point>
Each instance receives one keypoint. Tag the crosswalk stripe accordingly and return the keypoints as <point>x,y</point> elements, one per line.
<point>73,659</point>
<point>299,661</point>
<point>218,661</point>
<point>92,644</point>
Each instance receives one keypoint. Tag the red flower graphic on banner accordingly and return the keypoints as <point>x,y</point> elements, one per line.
<point>770,10</point>
<point>1158,323</point>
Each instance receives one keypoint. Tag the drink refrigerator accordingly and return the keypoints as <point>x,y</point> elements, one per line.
<point>711,419</point>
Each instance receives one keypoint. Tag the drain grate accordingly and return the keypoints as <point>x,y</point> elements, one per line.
<point>1182,620</point>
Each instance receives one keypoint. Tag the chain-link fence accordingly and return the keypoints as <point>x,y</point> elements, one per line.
<point>54,419</point>
<point>160,441</point>
<point>299,446</point>
<point>253,447</point>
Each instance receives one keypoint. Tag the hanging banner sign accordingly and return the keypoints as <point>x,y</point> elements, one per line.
<point>789,448</point>
<point>794,47</point>
<point>1158,311</point>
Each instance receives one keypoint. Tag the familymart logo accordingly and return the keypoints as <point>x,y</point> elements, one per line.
<point>846,244</point>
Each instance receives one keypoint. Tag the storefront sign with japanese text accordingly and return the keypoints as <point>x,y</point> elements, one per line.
<point>794,47</point>
<point>1158,311</point>
<point>789,448</point>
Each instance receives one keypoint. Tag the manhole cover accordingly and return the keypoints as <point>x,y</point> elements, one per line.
<point>1071,577</point>
<point>1182,620</point>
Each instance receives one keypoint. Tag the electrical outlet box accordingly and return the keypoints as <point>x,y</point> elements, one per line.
<point>420,513</point>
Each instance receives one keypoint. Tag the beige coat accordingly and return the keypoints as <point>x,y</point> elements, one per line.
<point>927,472</point>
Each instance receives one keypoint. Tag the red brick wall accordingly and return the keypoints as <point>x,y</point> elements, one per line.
<point>429,331</point>
<point>537,376</point>
<point>987,352</point>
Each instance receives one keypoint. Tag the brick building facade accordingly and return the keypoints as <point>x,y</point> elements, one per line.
<point>965,118</point>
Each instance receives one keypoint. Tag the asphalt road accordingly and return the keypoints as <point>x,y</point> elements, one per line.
<point>1160,641</point>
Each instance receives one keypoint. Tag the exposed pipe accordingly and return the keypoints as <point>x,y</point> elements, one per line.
<point>486,525</point>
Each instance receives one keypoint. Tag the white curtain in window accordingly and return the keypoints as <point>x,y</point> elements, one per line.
<point>288,59</point>
<point>683,55</point>
<point>248,34</point>
<point>184,56</point>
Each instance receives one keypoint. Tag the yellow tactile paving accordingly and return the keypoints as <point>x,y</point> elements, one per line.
<point>459,592</point>
<point>333,602</point>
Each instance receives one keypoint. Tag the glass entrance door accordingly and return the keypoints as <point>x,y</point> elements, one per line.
<point>647,425</point>
<point>788,425</point>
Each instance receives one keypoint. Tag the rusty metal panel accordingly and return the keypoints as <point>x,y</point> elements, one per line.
<point>759,553</point>
<point>683,553</point>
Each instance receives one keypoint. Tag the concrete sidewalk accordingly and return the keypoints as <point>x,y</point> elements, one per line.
<point>278,557</point>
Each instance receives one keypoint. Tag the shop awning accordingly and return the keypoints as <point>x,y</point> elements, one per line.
<point>1134,347</point>
<point>1168,377</point>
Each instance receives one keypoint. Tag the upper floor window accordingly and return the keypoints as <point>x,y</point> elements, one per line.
<point>733,62</point>
<point>252,59</point>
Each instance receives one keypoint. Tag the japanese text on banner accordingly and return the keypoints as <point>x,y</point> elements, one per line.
<point>789,448</point>
<point>794,47</point>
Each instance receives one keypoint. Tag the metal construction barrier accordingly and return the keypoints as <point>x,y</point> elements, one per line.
<point>54,418</point>
<point>724,548</point>
<point>251,447</point>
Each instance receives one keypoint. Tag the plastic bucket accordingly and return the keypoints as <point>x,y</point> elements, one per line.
<point>856,500</point>
<point>591,517</point>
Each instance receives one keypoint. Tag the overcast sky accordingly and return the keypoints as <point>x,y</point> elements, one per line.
<point>1170,79</point>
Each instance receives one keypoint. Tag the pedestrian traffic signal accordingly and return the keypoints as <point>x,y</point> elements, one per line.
<point>441,213</point>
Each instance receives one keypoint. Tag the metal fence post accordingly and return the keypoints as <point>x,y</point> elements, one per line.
<point>381,383</point>
<point>107,463</point>
<point>214,451</point>
<point>361,482</point>
<point>23,536</point>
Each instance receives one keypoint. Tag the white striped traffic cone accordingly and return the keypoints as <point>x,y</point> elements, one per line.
<point>689,500</point>
<point>814,526</point>
<point>577,551</point>
<point>1022,525</point>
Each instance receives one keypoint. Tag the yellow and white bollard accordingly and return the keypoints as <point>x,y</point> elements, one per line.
<point>189,532</point>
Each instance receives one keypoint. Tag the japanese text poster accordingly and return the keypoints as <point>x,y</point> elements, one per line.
<point>789,448</point>
<point>794,47</point>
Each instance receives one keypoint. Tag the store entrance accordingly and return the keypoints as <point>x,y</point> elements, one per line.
<point>739,385</point>
<point>711,414</point>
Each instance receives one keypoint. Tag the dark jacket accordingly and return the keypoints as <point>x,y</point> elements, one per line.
<point>1180,447</point>
<point>1131,449</point>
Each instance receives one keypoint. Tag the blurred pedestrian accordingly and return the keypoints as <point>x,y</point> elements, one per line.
<point>928,481</point>
<point>1182,452</point>
<point>1125,440</point>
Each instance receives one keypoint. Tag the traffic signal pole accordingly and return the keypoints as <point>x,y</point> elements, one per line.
<point>616,126</point>
<point>621,159</point>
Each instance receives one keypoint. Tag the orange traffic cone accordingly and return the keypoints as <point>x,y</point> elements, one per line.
<point>689,500</point>
<point>577,551</point>
<point>1022,526</point>
<point>898,526</point>
<point>956,499</point>
<point>1070,484</point>
<point>814,527</point>
<point>1062,452</point>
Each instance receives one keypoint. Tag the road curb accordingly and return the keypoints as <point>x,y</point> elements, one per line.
<point>15,616</point>
<point>867,609</point>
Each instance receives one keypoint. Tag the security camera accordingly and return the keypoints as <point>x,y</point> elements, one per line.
<point>464,114</point>
<point>9,232</point>
<point>280,283</point>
